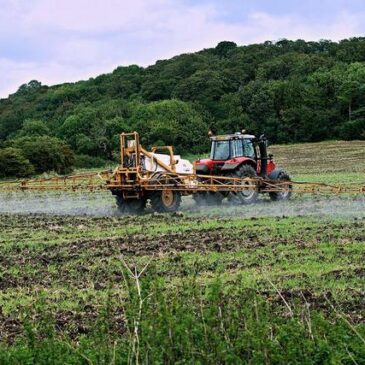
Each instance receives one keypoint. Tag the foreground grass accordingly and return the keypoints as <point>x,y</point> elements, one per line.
<point>193,324</point>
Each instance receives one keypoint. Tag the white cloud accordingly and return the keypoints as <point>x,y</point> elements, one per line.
<point>77,39</point>
<point>14,73</point>
<point>11,75</point>
<point>268,27</point>
<point>87,16</point>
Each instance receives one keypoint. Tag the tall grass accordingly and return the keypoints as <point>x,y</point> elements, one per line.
<point>192,324</point>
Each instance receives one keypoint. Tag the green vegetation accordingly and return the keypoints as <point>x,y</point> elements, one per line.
<point>331,162</point>
<point>13,163</point>
<point>294,91</point>
<point>46,153</point>
<point>216,286</point>
<point>213,290</point>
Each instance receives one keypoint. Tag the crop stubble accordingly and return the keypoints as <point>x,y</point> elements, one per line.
<point>76,261</point>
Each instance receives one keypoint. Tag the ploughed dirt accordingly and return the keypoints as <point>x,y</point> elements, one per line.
<point>82,254</point>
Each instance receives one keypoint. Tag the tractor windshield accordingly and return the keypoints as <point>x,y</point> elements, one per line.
<point>220,150</point>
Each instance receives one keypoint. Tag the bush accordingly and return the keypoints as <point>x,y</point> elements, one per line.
<point>354,129</point>
<point>13,163</point>
<point>46,153</point>
<point>89,162</point>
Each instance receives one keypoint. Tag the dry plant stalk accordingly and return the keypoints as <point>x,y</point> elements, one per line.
<point>135,276</point>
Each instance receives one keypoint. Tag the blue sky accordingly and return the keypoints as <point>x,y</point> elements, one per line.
<point>55,41</point>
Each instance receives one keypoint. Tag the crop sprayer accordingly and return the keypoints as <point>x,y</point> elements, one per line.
<point>238,170</point>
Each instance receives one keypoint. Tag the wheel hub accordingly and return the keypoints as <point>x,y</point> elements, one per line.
<point>167,197</point>
<point>249,191</point>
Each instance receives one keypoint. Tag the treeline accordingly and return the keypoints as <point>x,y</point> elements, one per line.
<point>293,91</point>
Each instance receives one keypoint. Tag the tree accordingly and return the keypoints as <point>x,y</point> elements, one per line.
<point>153,90</point>
<point>30,88</point>
<point>204,87</point>
<point>46,153</point>
<point>89,132</point>
<point>14,164</point>
<point>223,48</point>
<point>257,102</point>
<point>352,88</point>
<point>126,81</point>
<point>34,128</point>
<point>171,122</point>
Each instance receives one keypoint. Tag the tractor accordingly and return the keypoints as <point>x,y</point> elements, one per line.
<point>238,170</point>
<point>244,156</point>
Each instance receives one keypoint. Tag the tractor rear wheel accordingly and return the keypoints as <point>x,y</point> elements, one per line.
<point>165,201</point>
<point>249,195</point>
<point>285,194</point>
<point>130,206</point>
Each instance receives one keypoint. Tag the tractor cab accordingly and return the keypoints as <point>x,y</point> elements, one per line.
<point>223,149</point>
<point>230,151</point>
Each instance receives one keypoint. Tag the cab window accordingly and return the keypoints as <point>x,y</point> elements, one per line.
<point>237,148</point>
<point>220,150</point>
<point>248,148</point>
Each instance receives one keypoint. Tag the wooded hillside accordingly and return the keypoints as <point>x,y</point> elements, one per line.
<point>293,91</point>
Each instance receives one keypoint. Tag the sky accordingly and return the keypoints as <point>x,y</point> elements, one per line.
<point>56,41</point>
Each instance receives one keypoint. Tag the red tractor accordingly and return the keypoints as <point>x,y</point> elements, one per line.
<point>244,156</point>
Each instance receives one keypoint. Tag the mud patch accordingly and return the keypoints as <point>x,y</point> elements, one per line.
<point>10,328</point>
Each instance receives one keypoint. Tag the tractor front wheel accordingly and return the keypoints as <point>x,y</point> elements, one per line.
<point>286,192</point>
<point>165,201</point>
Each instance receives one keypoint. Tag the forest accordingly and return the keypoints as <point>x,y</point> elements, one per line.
<point>293,91</point>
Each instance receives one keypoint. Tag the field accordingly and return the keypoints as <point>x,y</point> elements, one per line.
<point>275,283</point>
<point>333,162</point>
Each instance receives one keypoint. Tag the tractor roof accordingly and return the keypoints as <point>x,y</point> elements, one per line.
<point>227,137</point>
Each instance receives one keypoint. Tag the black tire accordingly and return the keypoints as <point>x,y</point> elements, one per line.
<point>248,196</point>
<point>208,198</point>
<point>165,201</point>
<point>130,206</point>
<point>282,195</point>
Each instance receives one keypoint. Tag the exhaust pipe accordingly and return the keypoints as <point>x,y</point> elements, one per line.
<point>263,154</point>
